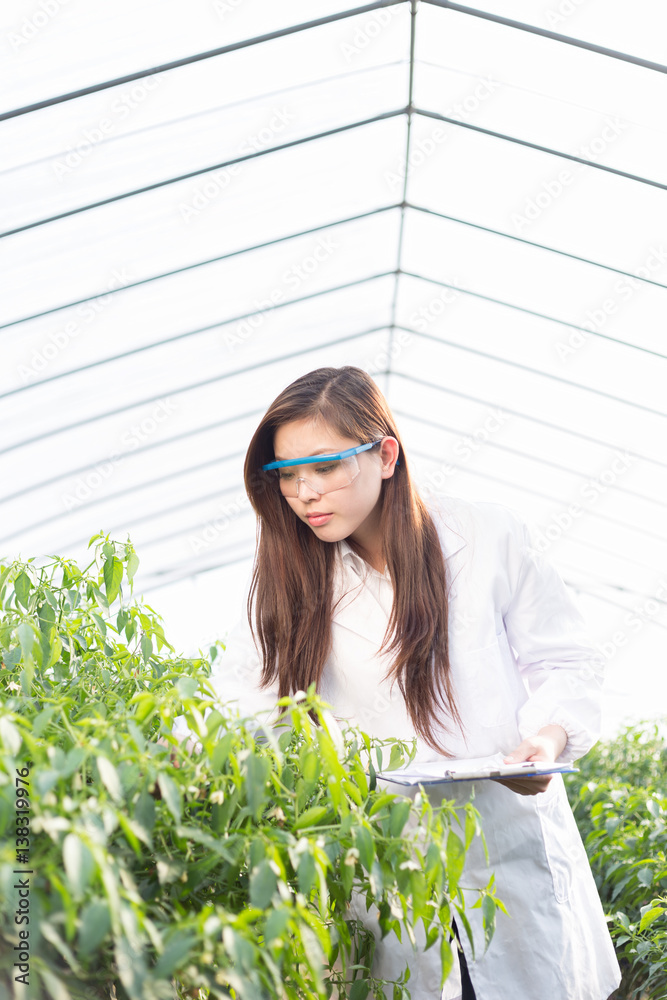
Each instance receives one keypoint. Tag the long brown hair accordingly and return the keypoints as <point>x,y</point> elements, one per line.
<point>292,581</point>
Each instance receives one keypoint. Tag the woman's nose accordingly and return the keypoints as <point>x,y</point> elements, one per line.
<point>305,491</point>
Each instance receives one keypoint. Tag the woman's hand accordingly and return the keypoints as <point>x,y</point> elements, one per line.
<point>544,748</point>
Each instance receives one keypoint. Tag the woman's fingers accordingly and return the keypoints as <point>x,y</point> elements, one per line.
<point>527,786</point>
<point>531,749</point>
<point>528,749</point>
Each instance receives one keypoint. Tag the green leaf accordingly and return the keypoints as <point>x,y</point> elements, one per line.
<point>146,647</point>
<point>263,883</point>
<point>220,754</point>
<point>258,769</point>
<point>109,778</point>
<point>455,859</point>
<point>56,650</point>
<point>359,989</point>
<point>347,876</point>
<point>171,794</point>
<point>13,657</point>
<point>311,817</point>
<point>144,811</point>
<point>650,915</point>
<point>176,951</point>
<point>10,735</point>
<point>364,844</point>
<point>101,624</point>
<point>113,575</point>
<point>46,617</point>
<point>375,879</point>
<point>22,587</point>
<point>470,828</point>
<point>42,720</point>
<point>168,871</point>
<point>645,877</point>
<point>134,833</point>
<point>79,863</point>
<point>277,924</point>
<point>145,703</point>
<point>446,959</point>
<point>55,986</point>
<point>187,687</point>
<point>132,565</point>
<point>488,917</point>
<point>26,637</point>
<point>94,926</point>
<point>399,817</point>
<point>213,722</point>
<point>306,873</point>
<point>395,757</point>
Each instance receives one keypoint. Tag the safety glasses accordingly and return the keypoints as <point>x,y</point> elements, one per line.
<point>328,472</point>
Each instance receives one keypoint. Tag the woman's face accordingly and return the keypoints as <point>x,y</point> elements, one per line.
<point>353,510</point>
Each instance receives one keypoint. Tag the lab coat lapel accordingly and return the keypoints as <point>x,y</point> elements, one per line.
<point>359,611</point>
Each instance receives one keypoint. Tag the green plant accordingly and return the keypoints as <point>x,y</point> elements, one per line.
<point>619,799</point>
<point>155,873</point>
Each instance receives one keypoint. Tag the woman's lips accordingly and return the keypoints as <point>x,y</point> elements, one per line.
<point>318,519</point>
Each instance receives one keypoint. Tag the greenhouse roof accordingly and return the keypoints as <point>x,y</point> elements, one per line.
<point>201,206</point>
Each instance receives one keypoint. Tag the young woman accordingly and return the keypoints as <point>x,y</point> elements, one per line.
<point>441,624</point>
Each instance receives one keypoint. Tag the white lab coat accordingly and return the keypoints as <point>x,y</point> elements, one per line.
<point>520,659</point>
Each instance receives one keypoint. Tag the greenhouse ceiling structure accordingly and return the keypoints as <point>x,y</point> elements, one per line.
<point>204,201</point>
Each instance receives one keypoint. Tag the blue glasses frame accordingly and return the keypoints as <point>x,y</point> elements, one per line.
<point>320,458</point>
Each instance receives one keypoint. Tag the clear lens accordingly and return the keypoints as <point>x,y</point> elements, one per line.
<point>297,480</point>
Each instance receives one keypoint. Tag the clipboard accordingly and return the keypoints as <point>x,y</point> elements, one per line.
<point>446,770</point>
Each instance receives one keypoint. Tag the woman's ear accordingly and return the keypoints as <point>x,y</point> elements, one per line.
<point>388,456</point>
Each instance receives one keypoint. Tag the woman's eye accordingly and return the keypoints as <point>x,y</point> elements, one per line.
<point>323,469</point>
<point>285,475</point>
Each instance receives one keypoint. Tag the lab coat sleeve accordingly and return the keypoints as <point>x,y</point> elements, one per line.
<point>235,678</point>
<point>560,667</point>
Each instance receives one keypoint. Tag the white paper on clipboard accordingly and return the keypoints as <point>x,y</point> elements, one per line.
<point>471,769</point>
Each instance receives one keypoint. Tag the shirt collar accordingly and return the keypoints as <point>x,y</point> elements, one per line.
<point>359,565</point>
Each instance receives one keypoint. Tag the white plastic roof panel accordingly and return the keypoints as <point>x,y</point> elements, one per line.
<point>590,106</point>
<point>469,203</point>
<point>127,37</point>
<point>604,25</point>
